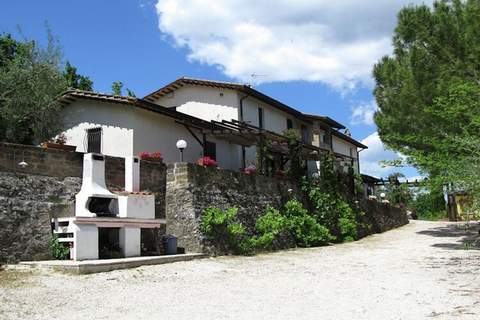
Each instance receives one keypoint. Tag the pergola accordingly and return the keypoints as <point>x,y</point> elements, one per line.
<point>247,135</point>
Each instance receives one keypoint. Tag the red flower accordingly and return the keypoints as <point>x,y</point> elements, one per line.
<point>153,156</point>
<point>207,162</point>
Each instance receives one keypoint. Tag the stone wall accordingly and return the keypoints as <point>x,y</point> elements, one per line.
<point>46,188</point>
<point>27,203</point>
<point>380,217</point>
<point>61,164</point>
<point>191,189</point>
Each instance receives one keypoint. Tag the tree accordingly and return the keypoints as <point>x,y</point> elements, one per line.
<point>76,81</point>
<point>30,83</point>
<point>427,91</point>
<point>130,93</point>
<point>397,192</point>
<point>117,88</point>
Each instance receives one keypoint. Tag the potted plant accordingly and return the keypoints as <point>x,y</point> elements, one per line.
<point>58,142</point>
<point>153,156</point>
<point>207,162</point>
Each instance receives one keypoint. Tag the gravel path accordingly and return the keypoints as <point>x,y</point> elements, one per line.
<point>420,271</point>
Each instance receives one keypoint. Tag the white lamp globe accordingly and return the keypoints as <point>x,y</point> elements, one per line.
<point>181,144</point>
<point>382,195</point>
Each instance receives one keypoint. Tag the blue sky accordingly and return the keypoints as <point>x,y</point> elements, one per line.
<point>313,55</point>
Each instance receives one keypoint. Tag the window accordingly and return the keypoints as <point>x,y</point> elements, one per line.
<point>260,118</point>
<point>305,134</point>
<point>210,150</point>
<point>289,124</point>
<point>94,140</point>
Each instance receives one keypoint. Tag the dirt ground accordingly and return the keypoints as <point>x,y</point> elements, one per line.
<point>425,270</point>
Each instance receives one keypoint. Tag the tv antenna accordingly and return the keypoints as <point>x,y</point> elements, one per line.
<point>254,76</point>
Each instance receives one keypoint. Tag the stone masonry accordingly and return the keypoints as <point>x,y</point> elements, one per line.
<point>46,188</point>
<point>192,188</point>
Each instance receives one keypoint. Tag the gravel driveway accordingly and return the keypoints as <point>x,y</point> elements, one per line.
<point>420,271</point>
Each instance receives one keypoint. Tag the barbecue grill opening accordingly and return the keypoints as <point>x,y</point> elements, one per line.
<point>102,207</point>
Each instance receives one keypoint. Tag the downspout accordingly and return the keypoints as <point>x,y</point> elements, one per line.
<point>244,164</point>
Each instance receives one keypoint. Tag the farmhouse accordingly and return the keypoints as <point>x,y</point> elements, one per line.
<point>225,121</point>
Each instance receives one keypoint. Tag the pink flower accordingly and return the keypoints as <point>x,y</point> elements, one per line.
<point>250,170</point>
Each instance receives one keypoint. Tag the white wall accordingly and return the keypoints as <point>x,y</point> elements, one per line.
<point>203,102</point>
<point>117,132</point>
<point>274,119</point>
<point>129,130</point>
<point>343,147</point>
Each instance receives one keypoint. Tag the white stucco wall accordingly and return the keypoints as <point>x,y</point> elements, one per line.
<point>115,120</point>
<point>274,119</point>
<point>129,130</point>
<point>203,102</point>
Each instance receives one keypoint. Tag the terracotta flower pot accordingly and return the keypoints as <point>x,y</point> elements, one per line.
<point>154,159</point>
<point>64,147</point>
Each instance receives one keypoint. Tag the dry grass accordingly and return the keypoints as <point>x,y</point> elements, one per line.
<point>13,278</point>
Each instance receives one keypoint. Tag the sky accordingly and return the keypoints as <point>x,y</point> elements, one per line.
<point>313,55</point>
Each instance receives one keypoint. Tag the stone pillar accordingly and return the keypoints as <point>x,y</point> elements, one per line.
<point>85,242</point>
<point>130,241</point>
<point>181,218</point>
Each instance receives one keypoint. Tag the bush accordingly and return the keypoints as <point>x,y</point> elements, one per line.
<point>269,226</point>
<point>332,211</point>
<point>305,229</point>
<point>430,206</point>
<point>59,250</point>
<point>222,227</point>
<point>347,222</point>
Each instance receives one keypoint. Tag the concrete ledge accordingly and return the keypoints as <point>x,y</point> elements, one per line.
<point>104,265</point>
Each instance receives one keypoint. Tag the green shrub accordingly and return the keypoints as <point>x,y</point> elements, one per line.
<point>305,229</point>
<point>430,206</point>
<point>332,211</point>
<point>347,223</point>
<point>269,226</point>
<point>222,227</point>
<point>59,250</point>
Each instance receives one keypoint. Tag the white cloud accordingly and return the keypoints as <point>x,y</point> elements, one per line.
<point>334,42</point>
<point>376,152</point>
<point>363,113</point>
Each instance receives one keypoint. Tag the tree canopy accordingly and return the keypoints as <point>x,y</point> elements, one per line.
<point>75,80</point>
<point>31,79</point>
<point>428,91</point>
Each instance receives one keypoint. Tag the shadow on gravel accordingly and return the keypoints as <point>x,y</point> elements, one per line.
<point>468,234</point>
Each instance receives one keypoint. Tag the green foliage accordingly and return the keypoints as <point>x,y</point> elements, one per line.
<point>429,206</point>
<point>76,81</point>
<point>294,153</point>
<point>398,193</point>
<point>30,82</point>
<point>117,88</point>
<point>59,250</point>
<point>428,92</point>
<point>327,196</point>
<point>222,226</point>
<point>269,226</point>
<point>304,227</point>
<point>130,93</point>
